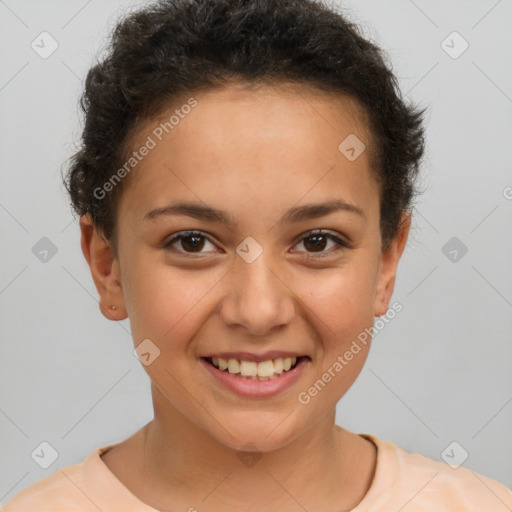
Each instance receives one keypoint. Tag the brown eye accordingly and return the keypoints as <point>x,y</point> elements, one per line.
<point>317,241</point>
<point>190,242</point>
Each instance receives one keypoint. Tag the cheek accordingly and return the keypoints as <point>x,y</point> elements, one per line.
<point>165,302</point>
<point>341,307</point>
<point>342,300</point>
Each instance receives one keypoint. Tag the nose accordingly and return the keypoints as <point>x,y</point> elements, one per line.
<point>258,299</point>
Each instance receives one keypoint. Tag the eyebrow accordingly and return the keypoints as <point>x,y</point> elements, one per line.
<point>296,214</point>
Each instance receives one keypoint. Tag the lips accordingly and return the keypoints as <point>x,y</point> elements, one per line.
<point>245,378</point>
<point>268,365</point>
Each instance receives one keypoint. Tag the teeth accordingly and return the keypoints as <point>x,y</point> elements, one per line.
<point>263,370</point>
<point>278,365</point>
<point>233,366</point>
<point>248,368</point>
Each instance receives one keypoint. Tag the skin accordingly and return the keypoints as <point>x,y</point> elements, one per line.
<point>255,154</point>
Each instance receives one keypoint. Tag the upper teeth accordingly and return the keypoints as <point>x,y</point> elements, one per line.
<point>253,369</point>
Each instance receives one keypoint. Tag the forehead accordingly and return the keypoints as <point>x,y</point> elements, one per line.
<point>259,142</point>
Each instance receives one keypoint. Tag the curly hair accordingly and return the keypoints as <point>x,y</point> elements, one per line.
<point>172,47</point>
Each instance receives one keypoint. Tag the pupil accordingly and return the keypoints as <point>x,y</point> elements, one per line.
<point>316,245</point>
<point>196,245</point>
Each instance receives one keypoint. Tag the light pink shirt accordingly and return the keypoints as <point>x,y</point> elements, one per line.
<point>402,482</point>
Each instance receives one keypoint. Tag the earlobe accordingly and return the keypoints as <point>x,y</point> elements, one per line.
<point>104,270</point>
<point>388,266</point>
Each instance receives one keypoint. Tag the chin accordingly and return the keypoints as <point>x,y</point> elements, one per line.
<point>261,436</point>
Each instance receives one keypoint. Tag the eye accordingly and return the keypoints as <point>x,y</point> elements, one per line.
<point>318,240</point>
<point>190,241</point>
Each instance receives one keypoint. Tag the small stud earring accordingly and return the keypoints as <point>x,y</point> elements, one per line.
<point>385,301</point>
<point>113,307</point>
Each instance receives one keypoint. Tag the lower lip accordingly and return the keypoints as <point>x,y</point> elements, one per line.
<point>256,388</point>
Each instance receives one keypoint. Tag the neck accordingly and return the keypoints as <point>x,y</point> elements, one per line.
<point>185,466</point>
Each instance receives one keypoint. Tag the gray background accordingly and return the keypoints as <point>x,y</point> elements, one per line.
<point>438,373</point>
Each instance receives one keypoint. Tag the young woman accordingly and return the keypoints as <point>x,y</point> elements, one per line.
<point>244,189</point>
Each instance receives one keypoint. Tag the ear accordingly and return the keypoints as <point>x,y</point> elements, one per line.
<point>388,267</point>
<point>104,269</point>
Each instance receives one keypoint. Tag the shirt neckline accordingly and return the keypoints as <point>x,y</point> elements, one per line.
<point>108,492</point>
<point>384,478</point>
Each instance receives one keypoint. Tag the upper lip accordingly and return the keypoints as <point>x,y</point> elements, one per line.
<point>247,356</point>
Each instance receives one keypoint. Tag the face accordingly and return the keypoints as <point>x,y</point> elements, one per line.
<point>255,283</point>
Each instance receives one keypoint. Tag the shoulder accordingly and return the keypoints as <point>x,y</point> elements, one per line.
<point>413,482</point>
<point>61,491</point>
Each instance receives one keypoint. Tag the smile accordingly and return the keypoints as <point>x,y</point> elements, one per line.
<point>265,378</point>
<point>263,370</point>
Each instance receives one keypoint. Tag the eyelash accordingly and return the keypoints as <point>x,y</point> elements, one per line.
<point>342,244</point>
